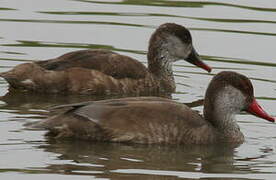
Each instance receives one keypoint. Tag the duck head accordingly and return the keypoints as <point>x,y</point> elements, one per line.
<point>171,42</point>
<point>228,94</point>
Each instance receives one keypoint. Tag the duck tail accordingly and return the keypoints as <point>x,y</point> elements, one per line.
<point>43,124</point>
<point>2,74</point>
<point>6,75</point>
<point>56,127</point>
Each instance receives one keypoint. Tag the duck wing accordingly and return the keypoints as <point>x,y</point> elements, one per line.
<point>108,62</point>
<point>82,110</point>
<point>146,120</point>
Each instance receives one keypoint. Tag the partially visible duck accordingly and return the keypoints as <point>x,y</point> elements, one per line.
<point>105,72</point>
<point>151,120</point>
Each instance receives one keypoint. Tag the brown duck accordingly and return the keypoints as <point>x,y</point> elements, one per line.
<point>104,72</point>
<point>150,120</point>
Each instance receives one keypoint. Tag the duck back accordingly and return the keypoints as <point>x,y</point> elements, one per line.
<point>108,62</point>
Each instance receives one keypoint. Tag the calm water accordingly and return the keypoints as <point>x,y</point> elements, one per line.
<point>229,35</point>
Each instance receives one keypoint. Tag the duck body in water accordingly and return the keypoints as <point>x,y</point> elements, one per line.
<point>103,72</point>
<point>155,120</point>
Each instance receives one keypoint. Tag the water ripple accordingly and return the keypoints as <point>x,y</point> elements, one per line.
<point>24,43</point>
<point>129,14</point>
<point>188,4</point>
<point>76,22</point>
<point>237,61</point>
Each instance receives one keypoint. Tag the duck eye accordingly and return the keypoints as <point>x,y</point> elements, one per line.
<point>185,38</point>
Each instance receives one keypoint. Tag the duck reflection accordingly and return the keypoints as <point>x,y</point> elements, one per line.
<point>107,160</point>
<point>23,102</point>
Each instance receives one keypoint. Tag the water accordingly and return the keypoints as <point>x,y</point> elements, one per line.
<point>229,35</point>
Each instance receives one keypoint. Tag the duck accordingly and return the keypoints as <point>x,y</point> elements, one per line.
<point>103,72</point>
<point>157,120</point>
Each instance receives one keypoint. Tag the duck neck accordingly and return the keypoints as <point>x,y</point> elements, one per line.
<point>223,121</point>
<point>226,125</point>
<point>221,115</point>
<point>160,65</point>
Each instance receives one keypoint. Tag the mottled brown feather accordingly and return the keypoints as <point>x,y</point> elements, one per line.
<point>108,62</point>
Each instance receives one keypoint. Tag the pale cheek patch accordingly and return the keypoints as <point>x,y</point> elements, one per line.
<point>177,48</point>
<point>230,99</point>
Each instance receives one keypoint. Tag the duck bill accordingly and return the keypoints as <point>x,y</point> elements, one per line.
<point>255,109</point>
<point>195,59</point>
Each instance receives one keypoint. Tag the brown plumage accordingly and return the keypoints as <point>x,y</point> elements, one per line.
<point>151,120</point>
<point>105,72</point>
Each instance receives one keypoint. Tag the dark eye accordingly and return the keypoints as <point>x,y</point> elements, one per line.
<point>185,38</point>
